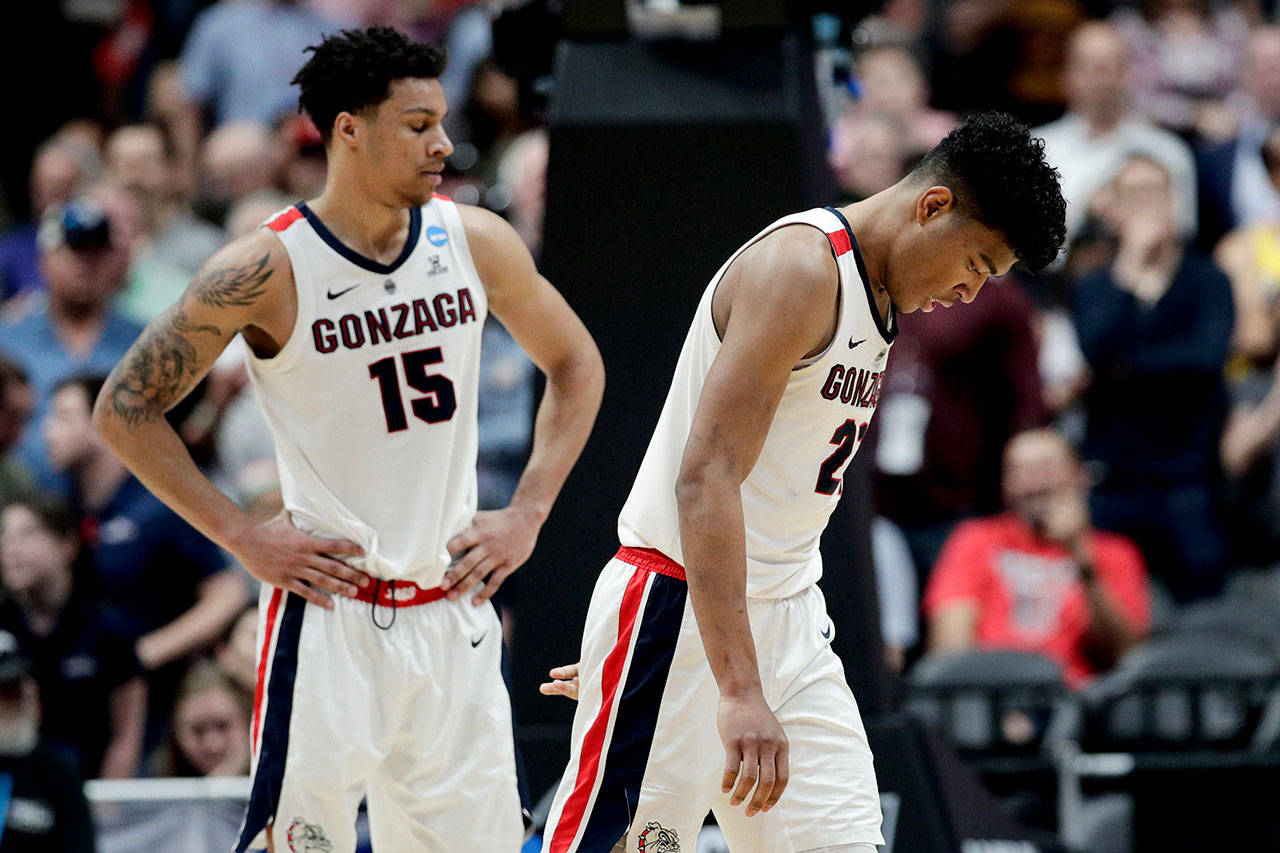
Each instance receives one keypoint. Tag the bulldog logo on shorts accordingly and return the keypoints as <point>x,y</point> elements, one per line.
<point>304,837</point>
<point>656,838</point>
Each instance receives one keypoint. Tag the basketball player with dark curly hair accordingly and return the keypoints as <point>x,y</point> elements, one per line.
<point>707,681</point>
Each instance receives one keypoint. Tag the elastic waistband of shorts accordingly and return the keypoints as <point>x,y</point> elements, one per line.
<point>398,593</point>
<point>652,561</point>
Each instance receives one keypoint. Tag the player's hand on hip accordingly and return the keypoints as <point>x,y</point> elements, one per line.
<point>755,752</point>
<point>486,553</point>
<point>564,682</point>
<point>277,553</point>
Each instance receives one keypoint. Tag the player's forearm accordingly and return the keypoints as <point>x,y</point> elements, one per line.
<point>712,535</point>
<point>156,455</point>
<point>563,423</point>
<point>219,599</point>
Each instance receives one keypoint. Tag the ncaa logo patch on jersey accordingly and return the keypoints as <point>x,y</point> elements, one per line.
<point>437,236</point>
<point>656,838</point>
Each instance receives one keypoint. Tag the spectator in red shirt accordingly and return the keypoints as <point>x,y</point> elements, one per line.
<point>1039,578</point>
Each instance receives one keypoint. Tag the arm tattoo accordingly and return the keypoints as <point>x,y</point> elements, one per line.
<point>158,369</point>
<point>228,287</point>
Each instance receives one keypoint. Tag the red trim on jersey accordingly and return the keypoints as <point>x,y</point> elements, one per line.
<point>652,561</point>
<point>441,197</point>
<point>575,807</point>
<point>399,594</point>
<point>840,241</point>
<point>285,219</point>
<point>260,690</point>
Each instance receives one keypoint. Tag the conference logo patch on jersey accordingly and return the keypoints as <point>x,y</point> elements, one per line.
<point>436,266</point>
<point>304,837</point>
<point>656,838</point>
<point>437,236</point>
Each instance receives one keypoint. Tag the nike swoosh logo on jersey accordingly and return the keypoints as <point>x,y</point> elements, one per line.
<point>478,640</point>
<point>853,344</point>
<point>826,635</point>
<point>332,295</point>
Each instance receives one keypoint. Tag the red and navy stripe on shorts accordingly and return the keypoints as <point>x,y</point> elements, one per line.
<point>651,611</point>
<point>271,727</point>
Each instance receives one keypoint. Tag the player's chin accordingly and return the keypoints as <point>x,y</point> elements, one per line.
<point>416,196</point>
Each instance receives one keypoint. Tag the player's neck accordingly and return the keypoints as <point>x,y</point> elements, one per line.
<point>373,228</point>
<point>874,227</point>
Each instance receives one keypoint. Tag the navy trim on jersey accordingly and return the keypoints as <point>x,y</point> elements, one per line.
<point>887,333</point>
<point>415,228</point>
<point>637,714</point>
<point>269,776</point>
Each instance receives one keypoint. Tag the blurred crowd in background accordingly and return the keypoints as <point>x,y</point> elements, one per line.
<point>1060,465</point>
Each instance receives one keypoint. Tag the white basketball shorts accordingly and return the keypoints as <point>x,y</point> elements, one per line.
<point>409,711</point>
<point>646,758</point>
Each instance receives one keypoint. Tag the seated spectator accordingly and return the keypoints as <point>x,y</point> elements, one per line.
<point>174,243</point>
<point>16,403</point>
<point>1155,327</point>
<point>172,587</point>
<point>59,167</point>
<point>237,159</point>
<point>1186,62</point>
<point>961,385</point>
<point>94,697</point>
<point>210,731</point>
<point>893,83</point>
<point>54,814</point>
<point>1235,189</point>
<point>1251,460</point>
<point>867,152</point>
<point>1039,578</point>
<point>1100,129</point>
<point>1250,255</point>
<point>72,328</point>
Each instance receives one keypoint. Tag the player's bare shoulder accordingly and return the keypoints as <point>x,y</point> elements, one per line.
<point>789,276</point>
<point>497,251</point>
<point>247,279</point>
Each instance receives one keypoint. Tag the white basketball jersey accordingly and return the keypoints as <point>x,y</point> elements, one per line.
<point>372,401</point>
<point>821,419</point>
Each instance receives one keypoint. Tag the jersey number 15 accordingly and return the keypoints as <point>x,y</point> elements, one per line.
<point>438,405</point>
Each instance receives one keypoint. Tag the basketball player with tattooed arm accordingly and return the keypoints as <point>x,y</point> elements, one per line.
<point>362,313</point>
<point>709,620</point>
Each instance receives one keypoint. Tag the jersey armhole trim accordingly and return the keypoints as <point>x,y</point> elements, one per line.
<point>449,213</point>
<point>807,361</point>
<point>288,354</point>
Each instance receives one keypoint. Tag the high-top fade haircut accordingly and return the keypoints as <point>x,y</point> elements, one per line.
<point>354,70</point>
<point>999,176</point>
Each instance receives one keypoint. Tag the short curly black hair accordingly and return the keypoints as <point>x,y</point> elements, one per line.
<point>999,175</point>
<point>354,70</point>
